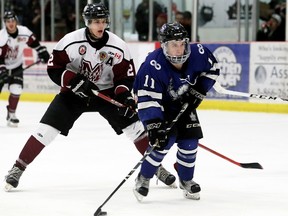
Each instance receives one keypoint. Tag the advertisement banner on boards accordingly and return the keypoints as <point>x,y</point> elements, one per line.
<point>233,61</point>
<point>269,69</point>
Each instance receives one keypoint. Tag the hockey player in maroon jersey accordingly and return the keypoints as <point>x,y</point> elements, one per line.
<point>88,58</point>
<point>13,39</point>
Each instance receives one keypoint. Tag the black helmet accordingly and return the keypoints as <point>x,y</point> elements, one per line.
<point>172,31</point>
<point>9,15</point>
<point>95,11</point>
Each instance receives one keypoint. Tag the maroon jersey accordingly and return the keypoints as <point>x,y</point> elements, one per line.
<point>106,62</point>
<point>12,46</point>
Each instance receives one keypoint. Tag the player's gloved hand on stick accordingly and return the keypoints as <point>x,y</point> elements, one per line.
<point>130,106</point>
<point>43,54</point>
<point>193,97</point>
<point>157,133</point>
<point>3,75</point>
<point>81,86</point>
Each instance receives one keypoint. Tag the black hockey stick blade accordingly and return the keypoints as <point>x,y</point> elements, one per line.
<point>243,165</point>
<point>251,165</point>
<point>99,212</point>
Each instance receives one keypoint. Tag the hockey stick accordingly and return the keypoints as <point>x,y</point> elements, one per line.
<point>243,165</point>
<point>218,88</point>
<point>34,63</point>
<point>108,99</point>
<point>99,212</point>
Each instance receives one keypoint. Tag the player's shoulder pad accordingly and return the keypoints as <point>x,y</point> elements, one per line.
<point>153,57</point>
<point>3,37</point>
<point>116,42</point>
<point>200,49</point>
<point>23,30</point>
<point>77,36</point>
<point>153,63</point>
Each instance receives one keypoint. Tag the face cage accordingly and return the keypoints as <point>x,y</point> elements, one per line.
<point>177,59</point>
<point>88,22</point>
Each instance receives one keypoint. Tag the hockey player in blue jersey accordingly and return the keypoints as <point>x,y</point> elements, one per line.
<point>172,75</point>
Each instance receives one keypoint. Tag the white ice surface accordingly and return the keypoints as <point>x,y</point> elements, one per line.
<point>75,174</point>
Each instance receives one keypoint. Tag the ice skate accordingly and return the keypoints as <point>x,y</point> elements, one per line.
<point>190,189</point>
<point>12,179</point>
<point>141,187</point>
<point>166,177</point>
<point>12,120</point>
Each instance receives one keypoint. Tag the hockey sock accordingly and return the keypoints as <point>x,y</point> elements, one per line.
<point>29,152</point>
<point>13,102</point>
<point>142,143</point>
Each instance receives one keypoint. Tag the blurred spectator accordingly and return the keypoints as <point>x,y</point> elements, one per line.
<point>70,15</point>
<point>179,17</point>
<point>58,17</point>
<point>267,9</point>
<point>142,19</point>
<point>185,19</point>
<point>161,20</point>
<point>281,10</point>
<point>17,6</point>
<point>187,22</point>
<point>33,17</point>
<point>271,30</point>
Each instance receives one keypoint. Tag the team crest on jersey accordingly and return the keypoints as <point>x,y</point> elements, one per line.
<point>176,94</point>
<point>82,49</point>
<point>103,55</point>
<point>21,39</point>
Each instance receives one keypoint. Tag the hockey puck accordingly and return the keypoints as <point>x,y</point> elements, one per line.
<point>103,213</point>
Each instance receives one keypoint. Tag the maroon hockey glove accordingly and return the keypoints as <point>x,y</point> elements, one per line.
<point>81,86</point>
<point>43,55</point>
<point>3,75</point>
<point>157,133</point>
<point>130,106</point>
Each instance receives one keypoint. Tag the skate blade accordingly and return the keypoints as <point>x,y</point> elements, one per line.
<point>193,196</point>
<point>173,185</point>
<point>11,124</point>
<point>8,187</point>
<point>138,196</point>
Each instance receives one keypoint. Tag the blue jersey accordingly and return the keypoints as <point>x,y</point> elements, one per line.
<point>159,85</point>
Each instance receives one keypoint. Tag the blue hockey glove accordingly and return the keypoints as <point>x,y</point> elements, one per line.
<point>157,133</point>
<point>130,106</point>
<point>81,86</point>
<point>193,97</point>
<point>43,55</point>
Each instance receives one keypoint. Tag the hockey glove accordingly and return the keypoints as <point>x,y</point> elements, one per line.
<point>157,133</point>
<point>81,86</point>
<point>3,75</point>
<point>130,106</point>
<point>193,97</point>
<point>43,55</point>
